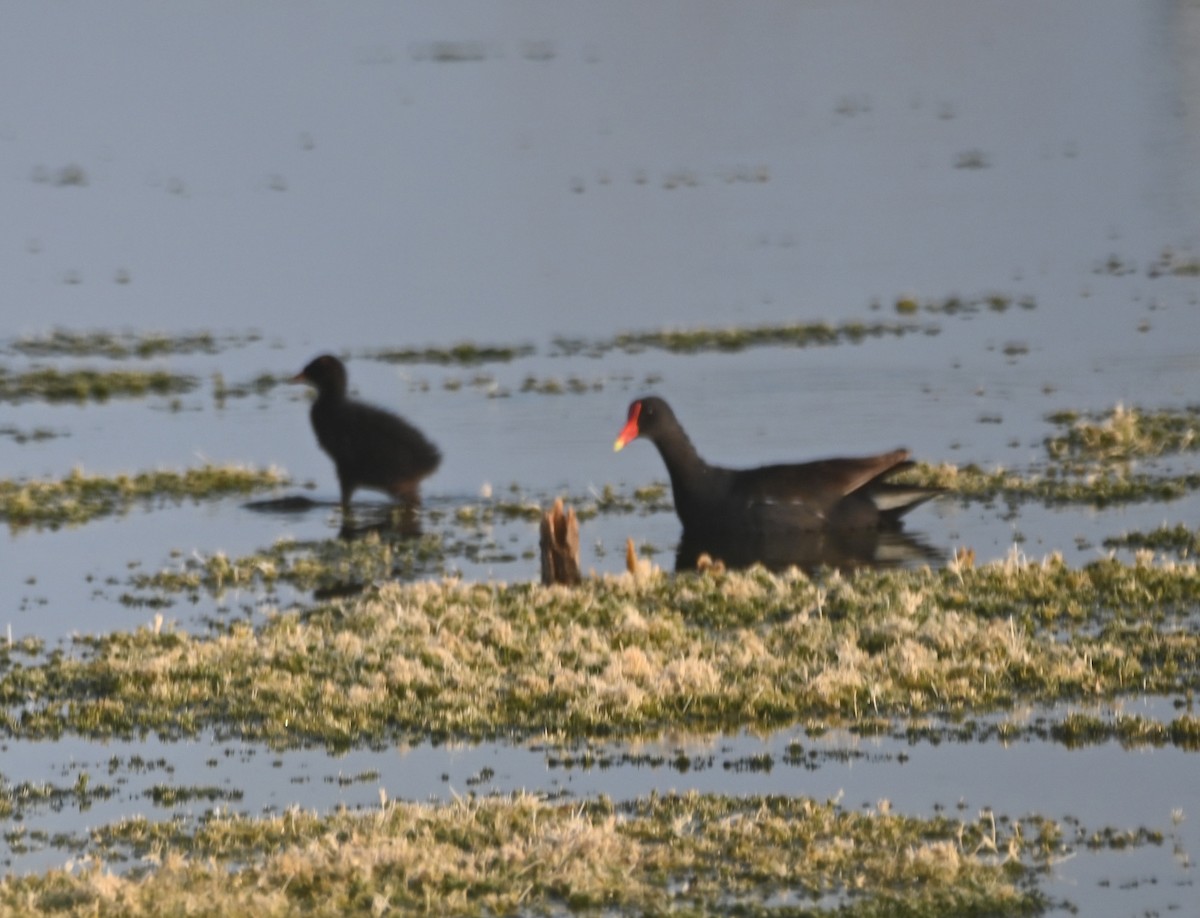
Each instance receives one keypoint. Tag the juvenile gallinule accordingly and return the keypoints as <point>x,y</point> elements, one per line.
<point>371,448</point>
<point>829,494</point>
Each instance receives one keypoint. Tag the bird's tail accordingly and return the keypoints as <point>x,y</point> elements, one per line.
<point>895,500</point>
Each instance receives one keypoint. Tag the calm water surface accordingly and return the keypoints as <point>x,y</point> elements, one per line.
<point>389,177</point>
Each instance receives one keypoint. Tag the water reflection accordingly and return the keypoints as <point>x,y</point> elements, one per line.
<point>396,528</point>
<point>393,521</point>
<point>845,549</point>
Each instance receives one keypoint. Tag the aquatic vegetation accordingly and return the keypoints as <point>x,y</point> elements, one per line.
<point>972,159</point>
<point>631,656</point>
<point>70,175</point>
<point>16,800</point>
<point>1093,462</point>
<point>739,339</point>
<point>1178,540</point>
<point>28,436</point>
<point>341,567</point>
<point>957,305</point>
<point>607,500</point>
<point>554,386</point>
<point>703,339</point>
<point>736,338</point>
<point>1171,262</point>
<point>1115,266</point>
<point>261,384</point>
<point>1099,488</point>
<point>85,385</point>
<point>447,52</point>
<point>171,795</point>
<point>328,566</point>
<point>1078,729</point>
<point>80,497</point>
<point>1123,434</point>
<point>64,342</point>
<point>465,353</point>
<point>485,383</point>
<point>695,854</point>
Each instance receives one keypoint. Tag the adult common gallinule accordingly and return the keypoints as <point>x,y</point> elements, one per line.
<point>370,447</point>
<point>829,494</point>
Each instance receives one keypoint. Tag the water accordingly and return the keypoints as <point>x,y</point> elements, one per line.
<point>383,176</point>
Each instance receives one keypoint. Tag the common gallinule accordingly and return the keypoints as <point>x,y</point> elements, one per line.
<point>829,494</point>
<point>371,448</point>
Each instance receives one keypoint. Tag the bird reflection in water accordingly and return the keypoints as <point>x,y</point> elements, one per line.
<point>808,550</point>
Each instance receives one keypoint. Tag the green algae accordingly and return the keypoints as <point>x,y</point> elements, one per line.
<point>79,497</point>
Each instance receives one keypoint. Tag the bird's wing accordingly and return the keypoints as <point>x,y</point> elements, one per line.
<point>818,485</point>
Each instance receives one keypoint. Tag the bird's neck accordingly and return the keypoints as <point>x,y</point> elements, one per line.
<point>331,394</point>
<point>690,474</point>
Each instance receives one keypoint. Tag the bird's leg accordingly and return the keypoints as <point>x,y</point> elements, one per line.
<point>406,493</point>
<point>347,492</point>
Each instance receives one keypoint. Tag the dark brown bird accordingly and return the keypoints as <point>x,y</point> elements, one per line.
<point>370,447</point>
<point>829,494</point>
